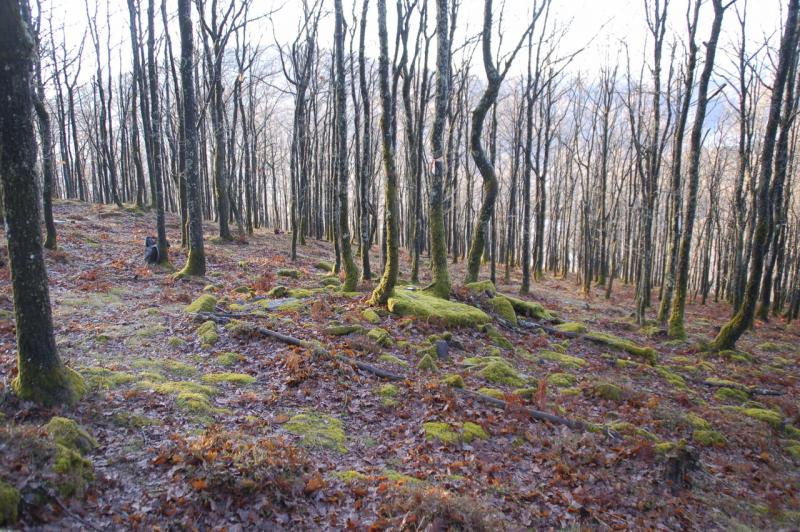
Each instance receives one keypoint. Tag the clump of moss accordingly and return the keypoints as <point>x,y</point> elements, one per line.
<point>330,282</point>
<point>427,363</point>
<point>278,291</point>
<point>697,422</point>
<point>318,430</point>
<point>228,358</point>
<point>454,380</point>
<point>492,392</point>
<point>571,327</point>
<point>98,378</point>
<point>525,393</point>
<point>647,353</point>
<point>561,380</point>
<point>770,347</point>
<point>208,333</point>
<point>629,429</point>
<point>732,395</point>
<point>9,504</point>
<point>198,403</point>
<point>671,377</point>
<point>400,478</point>
<point>562,359</point>
<point>762,414</point>
<point>437,430</point>
<point>174,341</point>
<point>300,293</point>
<point>501,372</point>
<point>380,337</point>
<point>134,421</point>
<point>624,363</point>
<point>714,381</point>
<point>496,337</point>
<point>388,394</point>
<point>391,359</point>
<point>351,476</point>
<point>405,302</point>
<point>606,390</point>
<point>173,367</point>
<point>471,431</point>
<point>709,438</point>
<point>481,287</point>
<point>288,272</point>
<point>529,309</point>
<point>204,303</point>
<point>371,316</point>
<point>342,330</point>
<point>232,378</point>
<point>240,329</point>
<point>66,432</point>
<point>503,308</point>
<point>324,265</point>
<point>75,472</point>
<point>794,451</point>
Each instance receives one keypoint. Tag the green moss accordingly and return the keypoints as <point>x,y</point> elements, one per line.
<point>404,302</point>
<point>9,504</point>
<point>731,395</point>
<point>371,316</point>
<point>671,377</point>
<point>529,309</point>
<point>391,359</point>
<point>492,392</point>
<point>60,385</point>
<point>134,421</point>
<point>561,359</point>
<point>380,337</point>
<point>351,476</point>
<point>232,378</point>
<point>709,438</point>
<point>471,431</point>
<point>696,422</point>
<point>662,448</point>
<point>571,327</point>
<point>288,272</point>
<point>228,358</point>
<point>66,432</point>
<point>395,476</point>
<point>198,403</point>
<point>574,390</point>
<point>174,341</point>
<point>794,451</point>
<point>525,393</point>
<point>497,338</point>
<point>561,380</point>
<point>501,372</point>
<point>278,291</point>
<point>240,329</point>
<point>606,390</point>
<point>503,308</point>
<point>208,333</point>
<point>98,378</point>
<point>177,387</point>
<point>388,394</point>
<point>291,305</point>
<point>427,363</point>
<point>318,430</point>
<point>624,363</point>
<point>324,265</point>
<point>173,367</point>
<point>436,430</point>
<point>300,293</point>
<point>330,282</point>
<point>762,414</point>
<point>647,353</point>
<point>75,472</point>
<point>629,429</point>
<point>770,347</point>
<point>481,287</point>
<point>455,380</point>
<point>722,382</point>
<point>341,330</point>
<point>204,303</point>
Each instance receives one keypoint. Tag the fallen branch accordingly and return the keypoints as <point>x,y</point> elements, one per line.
<point>743,387</point>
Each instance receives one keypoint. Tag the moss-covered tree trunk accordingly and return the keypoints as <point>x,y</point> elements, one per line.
<point>740,322</point>
<point>366,152</point>
<point>441,277</point>
<point>676,329</point>
<point>349,265</point>
<point>196,261</point>
<point>41,375</point>
<point>391,215</point>
<point>155,135</point>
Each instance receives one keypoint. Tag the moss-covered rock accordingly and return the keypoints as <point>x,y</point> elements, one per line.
<point>342,330</point>
<point>371,316</point>
<point>66,432</point>
<point>495,336</point>
<point>427,363</point>
<point>324,265</point>
<point>481,288</point>
<point>503,308</point>
<point>529,309</point>
<point>380,337</point>
<point>436,430</point>
<point>288,272</point>
<point>231,378</point>
<point>567,361</point>
<point>9,504</point>
<point>388,394</point>
<point>647,353</point>
<point>278,291</point>
<point>208,333</point>
<point>561,380</point>
<point>331,282</point>
<point>391,359</point>
<point>492,392</point>
<point>731,395</point>
<point>240,329</point>
<point>472,431</point>
<point>501,372</point>
<point>455,380</point>
<point>318,430</point>
<point>571,327</point>
<point>204,303</point>
<point>709,438</point>
<point>606,390</point>
<point>762,414</point>
<point>74,471</point>
<point>405,302</point>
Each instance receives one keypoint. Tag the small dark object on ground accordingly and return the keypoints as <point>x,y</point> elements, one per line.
<point>151,250</point>
<point>442,350</point>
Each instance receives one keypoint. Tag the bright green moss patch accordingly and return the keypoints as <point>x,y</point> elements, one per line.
<point>228,358</point>
<point>503,308</point>
<point>624,363</point>
<point>391,359</point>
<point>380,337</point>
<point>371,316</point>
<point>794,451</point>
<point>492,392</point>
<point>204,303</point>
<point>770,347</point>
<point>501,372</point>
<point>481,287</point>
<point>176,387</point>
<point>529,309</point>
<point>424,306</point>
<point>388,394</point>
<point>9,504</point>
<point>300,293</point>
<point>98,378</point>
<point>662,448</point>
<point>330,282</point>
<point>629,429</point>
<point>731,395</point>
<point>697,422</point>
<point>199,404</point>
<point>66,432</point>
<point>561,380</point>
<point>173,367</point>
<point>278,291</point>
<point>324,265</point>
<point>455,380</point>
<point>713,381</point>
<point>762,414</point>
<point>427,363</point>
<point>497,338</point>
<point>75,472</point>
<point>606,390</point>
<point>208,333</point>
<point>342,330</point>
<point>709,438</point>
<point>400,478</point>
<point>571,327</point>
<point>472,431</point>
<point>351,476</point>
<point>647,353</point>
<point>561,359</point>
<point>318,430</point>
<point>174,341</point>
<point>288,272</point>
<point>671,377</point>
<point>231,378</point>
<point>525,393</point>
<point>133,421</point>
<point>436,430</point>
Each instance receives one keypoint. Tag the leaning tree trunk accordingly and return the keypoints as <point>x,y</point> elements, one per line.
<point>41,377</point>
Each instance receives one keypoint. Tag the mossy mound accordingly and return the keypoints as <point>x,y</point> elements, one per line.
<point>770,417</point>
<point>288,272</point>
<point>324,265</point>
<point>794,451</point>
<point>405,302</point>
<point>173,367</point>
<point>66,432</point>
<point>380,337</point>
<point>501,372</point>
<point>133,421</point>
<point>731,395</point>
<point>208,333</point>
<point>331,282</point>
<point>770,347</point>
<point>9,504</point>
<point>482,288</point>
<point>455,380</point>
<point>571,327</point>
<point>647,353</point>
<point>427,363</point>
<point>697,422</point>
<point>371,316</point>
<point>388,394</point>
<point>76,472</point>
<point>174,341</point>
<point>98,378</point>
<point>240,329</point>
<point>351,476</point>
<point>278,291</point>
<point>59,386</point>
<point>342,330</point>
<point>629,429</point>
<point>198,403</point>
<point>231,378</point>
<point>671,377</point>
<point>318,430</point>
<point>561,359</point>
<point>606,390</point>
<point>472,431</point>
<point>391,359</point>
<point>228,358</point>
<point>503,308</point>
<point>437,430</point>
<point>709,438</point>
<point>204,303</point>
<point>529,309</point>
<point>492,392</point>
<point>561,380</point>
<point>497,338</point>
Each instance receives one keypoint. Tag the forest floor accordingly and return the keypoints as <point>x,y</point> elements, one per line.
<point>222,430</point>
